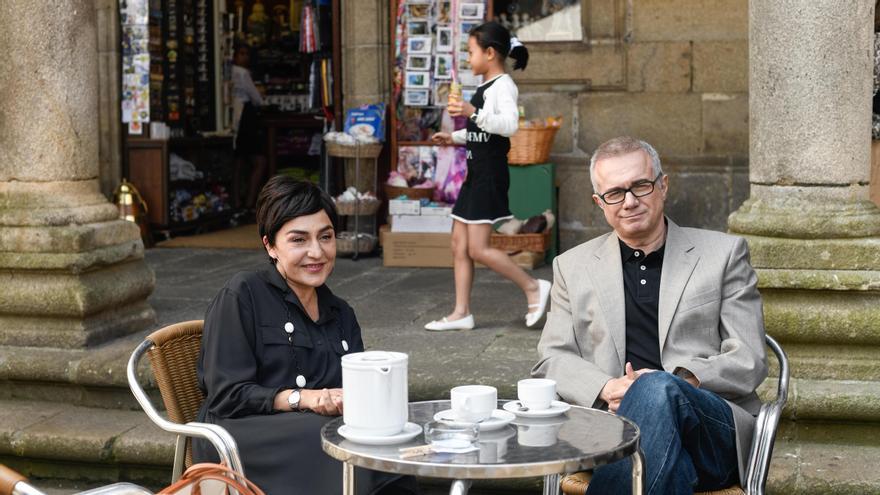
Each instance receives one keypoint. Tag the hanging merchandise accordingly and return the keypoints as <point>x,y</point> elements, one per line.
<point>326,83</point>
<point>135,101</point>
<point>307,40</point>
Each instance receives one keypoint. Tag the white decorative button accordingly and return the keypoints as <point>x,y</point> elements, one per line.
<point>636,254</point>
<point>642,267</point>
<point>345,346</point>
<point>644,281</point>
<point>300,381</point>
<point>288,327</point>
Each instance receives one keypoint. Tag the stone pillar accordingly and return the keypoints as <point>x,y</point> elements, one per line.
<point>365,68</point>
<point>73,275</point>
<point>813,233</point>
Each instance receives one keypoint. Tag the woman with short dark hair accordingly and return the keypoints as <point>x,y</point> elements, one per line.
<point>270,362</point>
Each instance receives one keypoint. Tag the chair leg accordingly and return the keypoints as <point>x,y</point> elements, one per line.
<point>638,473</point>
<point>179,456</point>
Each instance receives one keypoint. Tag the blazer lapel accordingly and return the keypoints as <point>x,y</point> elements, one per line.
<point>679,260</point>
<point>606,271</point>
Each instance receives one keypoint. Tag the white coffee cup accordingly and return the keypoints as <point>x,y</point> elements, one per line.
<point>536,393</point>
<point>473,402</point>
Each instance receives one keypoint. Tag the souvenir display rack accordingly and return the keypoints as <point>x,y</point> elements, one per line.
<point>429,51</point>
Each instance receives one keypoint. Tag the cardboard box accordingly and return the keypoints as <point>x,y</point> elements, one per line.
<point>421,223</point>
<point>429,250</point>
<point>404,207</point>
<point>416,249</point>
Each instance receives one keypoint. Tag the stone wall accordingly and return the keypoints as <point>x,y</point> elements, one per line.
<point>672,72</point>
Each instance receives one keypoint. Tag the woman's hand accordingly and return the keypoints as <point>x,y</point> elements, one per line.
<point>326,402</point>
<point>460,108</point>
<point>442,138</point>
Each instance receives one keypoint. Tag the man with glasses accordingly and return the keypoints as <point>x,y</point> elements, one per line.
<point>661,324</point>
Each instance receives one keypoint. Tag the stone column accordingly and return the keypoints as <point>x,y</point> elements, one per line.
<point>365,68</point>
<point>813,233</point>
<point>73,275</point>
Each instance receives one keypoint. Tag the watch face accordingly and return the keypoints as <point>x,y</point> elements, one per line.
<point>293,399</point>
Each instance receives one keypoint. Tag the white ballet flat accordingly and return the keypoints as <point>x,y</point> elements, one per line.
<point>533,317</point>
<point>465,323</point>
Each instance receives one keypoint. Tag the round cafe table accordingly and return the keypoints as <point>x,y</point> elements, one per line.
<point>577,440</point>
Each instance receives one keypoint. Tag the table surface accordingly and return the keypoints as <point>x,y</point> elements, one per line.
<point>577,440</point>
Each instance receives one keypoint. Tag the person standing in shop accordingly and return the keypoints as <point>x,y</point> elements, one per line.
<point>250,138</point>
<point>492,117</point>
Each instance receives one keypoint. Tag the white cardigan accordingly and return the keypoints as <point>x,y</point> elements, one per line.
<point>500,114</point>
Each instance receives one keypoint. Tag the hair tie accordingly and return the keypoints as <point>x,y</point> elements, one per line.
<point>514,42</point>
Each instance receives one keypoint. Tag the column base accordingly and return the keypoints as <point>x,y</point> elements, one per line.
<point>805,213</point>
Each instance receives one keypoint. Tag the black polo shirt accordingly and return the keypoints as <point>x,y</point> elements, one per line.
<point>641,289</point>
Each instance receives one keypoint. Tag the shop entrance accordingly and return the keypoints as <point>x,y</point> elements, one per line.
<point>218,95</point>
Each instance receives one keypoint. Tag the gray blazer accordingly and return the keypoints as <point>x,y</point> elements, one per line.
<point>710,320</point>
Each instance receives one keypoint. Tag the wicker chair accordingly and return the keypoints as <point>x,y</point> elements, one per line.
<point>173,352</point>
<point>758,463</point>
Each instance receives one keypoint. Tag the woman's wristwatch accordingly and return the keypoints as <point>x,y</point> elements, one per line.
<point>473,117</point>
<point>293,399</point>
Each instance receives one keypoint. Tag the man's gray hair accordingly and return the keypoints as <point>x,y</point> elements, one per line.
<point>621,146</point>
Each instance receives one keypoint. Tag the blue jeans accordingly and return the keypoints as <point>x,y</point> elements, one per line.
<point>687,436</point>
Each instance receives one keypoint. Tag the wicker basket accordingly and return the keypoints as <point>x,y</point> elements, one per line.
<point>537,243</point>
<point>368,206</point>
<point>345,243</point>
<point>410,192</point>
<point>531,145</point>
<point>366,150</point>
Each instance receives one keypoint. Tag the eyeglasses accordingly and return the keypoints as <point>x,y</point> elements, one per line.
<point>639,189</point>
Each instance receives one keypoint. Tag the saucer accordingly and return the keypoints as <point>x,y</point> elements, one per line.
<point>410,431</point>
<point>498,420</point>
<point>556,408</point>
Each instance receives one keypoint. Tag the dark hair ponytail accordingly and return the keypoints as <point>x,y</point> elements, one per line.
<point>498,37</point>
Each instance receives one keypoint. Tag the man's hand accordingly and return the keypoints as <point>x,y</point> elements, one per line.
<point>686,375</point>
<point>614,390</point>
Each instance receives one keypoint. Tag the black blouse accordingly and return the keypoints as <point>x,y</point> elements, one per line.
<point>247,356</point>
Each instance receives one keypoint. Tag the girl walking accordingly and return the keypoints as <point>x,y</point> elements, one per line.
<point>492,118</point>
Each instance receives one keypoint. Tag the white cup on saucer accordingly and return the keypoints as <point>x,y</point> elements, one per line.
<point>536,393</point>
<point>473,403</point>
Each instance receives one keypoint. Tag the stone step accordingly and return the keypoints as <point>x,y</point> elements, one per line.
<point>91,377</point>
<point>88,446</point>
<point>828,400</point>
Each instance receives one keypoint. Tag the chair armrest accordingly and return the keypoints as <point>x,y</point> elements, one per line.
<point>217,435</point>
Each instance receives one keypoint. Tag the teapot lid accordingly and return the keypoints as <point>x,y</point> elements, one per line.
<point>374,358</point>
